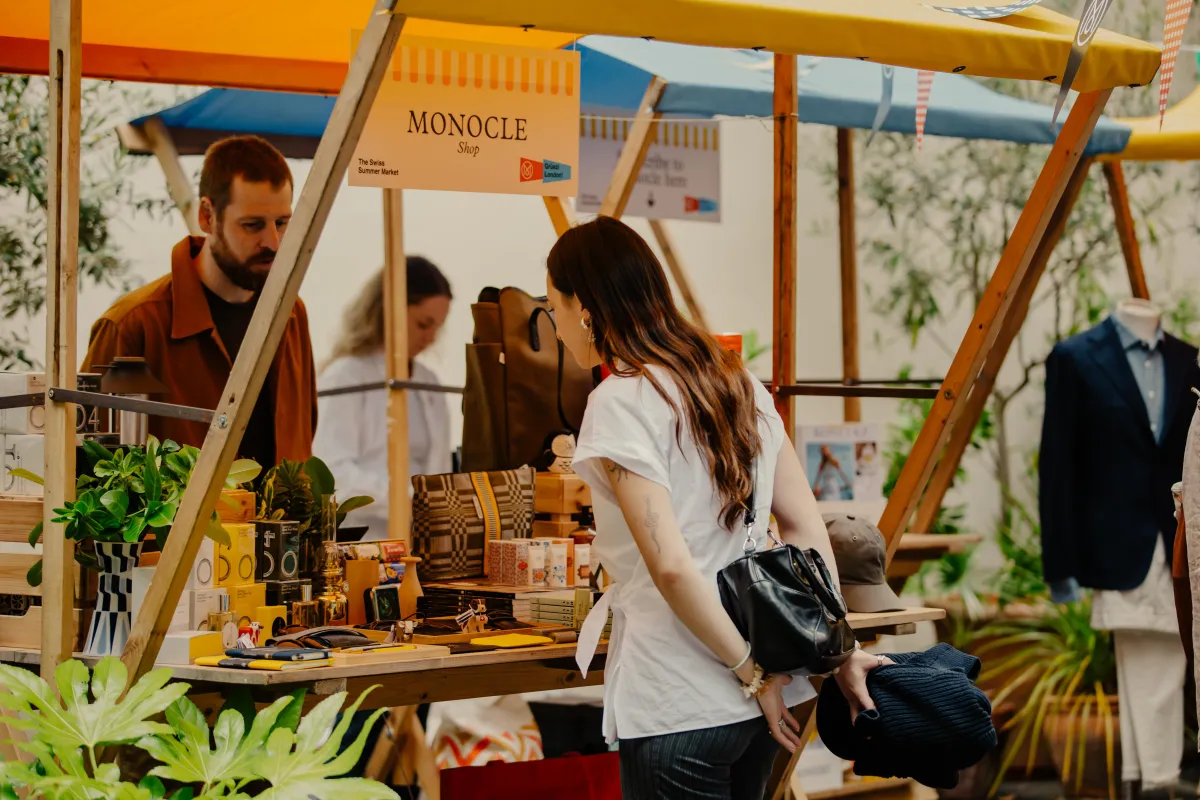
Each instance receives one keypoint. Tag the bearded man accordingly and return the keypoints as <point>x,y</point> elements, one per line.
<point>191,324</point>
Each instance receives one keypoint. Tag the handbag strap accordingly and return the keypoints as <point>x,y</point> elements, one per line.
<point>750,515</point>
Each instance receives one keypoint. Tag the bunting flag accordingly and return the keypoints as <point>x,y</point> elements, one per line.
<point>924,87</point>
<point>987,12</point>
<point>1173,26</point>
<point>1089,23</point>
<point>885,102</point>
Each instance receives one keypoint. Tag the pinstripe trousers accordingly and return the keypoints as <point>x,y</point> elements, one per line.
<point>730,762</point>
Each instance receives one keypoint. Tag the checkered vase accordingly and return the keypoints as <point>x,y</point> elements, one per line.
<point>112,619</point>
<point>449,512</point>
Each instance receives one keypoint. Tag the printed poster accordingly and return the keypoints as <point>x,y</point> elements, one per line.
<point>473,117</point>
<point>844,462</point>
<point>680,179</point>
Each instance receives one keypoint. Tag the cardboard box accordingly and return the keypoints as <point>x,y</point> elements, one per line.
<point>273,620</point>
<point>360,577</point>
<point>203,574</point>
<point>245,600</point>
<point>235,564</point>
<point>182,648</point>
<point>21,451</point>
<point>539,562</point>
<point>276,550</point>
<point>201,603</point>
<point>140,580</point>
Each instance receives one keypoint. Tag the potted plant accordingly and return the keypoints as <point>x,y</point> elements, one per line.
<point>277,755</point>
<point>1069,671</point>
<point>303,492</point>
<point>123,496</point>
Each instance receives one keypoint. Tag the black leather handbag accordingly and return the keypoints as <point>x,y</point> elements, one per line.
<point>785,603</point>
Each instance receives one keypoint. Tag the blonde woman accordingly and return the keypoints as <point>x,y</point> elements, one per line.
<point>352,435</point>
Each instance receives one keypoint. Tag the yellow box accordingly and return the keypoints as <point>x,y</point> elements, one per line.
<point>181,649</point>
<point>244,602</point>
<point>272,618</point>
<point>235,564</point>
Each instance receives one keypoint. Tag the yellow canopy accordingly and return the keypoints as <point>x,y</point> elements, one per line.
<point>303,45</point>
<point>1179,139</point>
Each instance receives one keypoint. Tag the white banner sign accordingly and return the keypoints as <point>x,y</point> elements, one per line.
<point>681,178</point>
<point>471,117</point>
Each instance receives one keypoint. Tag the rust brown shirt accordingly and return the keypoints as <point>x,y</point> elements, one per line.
<point>168,322</point>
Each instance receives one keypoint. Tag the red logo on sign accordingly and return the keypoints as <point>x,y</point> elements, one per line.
<point>530,170</point>
<point>691,205</point>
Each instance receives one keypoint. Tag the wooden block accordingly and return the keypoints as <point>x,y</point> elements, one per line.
<point>18,515</point>
<point>236,505</point>
<point>560,494</point>
<point>552,529</point>
<point>13,568</point>
<point>26,631</point>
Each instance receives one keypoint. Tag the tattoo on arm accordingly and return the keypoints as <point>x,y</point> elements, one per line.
<point>652,525</point>
<point>616,470</point>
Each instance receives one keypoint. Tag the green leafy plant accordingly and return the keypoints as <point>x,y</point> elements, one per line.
<point>1067,667</point>
<point>753,348</point>
<point>300,490</point>
<point>293,758</point>
<point>125,493</point>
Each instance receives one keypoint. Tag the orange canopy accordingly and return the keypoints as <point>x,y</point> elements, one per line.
<point>303,45</point>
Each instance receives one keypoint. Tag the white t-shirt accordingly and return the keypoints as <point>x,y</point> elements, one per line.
<point>659,678</point>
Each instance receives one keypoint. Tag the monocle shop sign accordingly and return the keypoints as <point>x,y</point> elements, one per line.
<point>473,117</point>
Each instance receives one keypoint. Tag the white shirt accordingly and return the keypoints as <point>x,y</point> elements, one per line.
<point>352,434</point>
<point>659,678</point>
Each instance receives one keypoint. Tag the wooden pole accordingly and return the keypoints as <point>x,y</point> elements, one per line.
<point>783,318</point>
<point>271,314</point>
<point>633,154</point>
<point>561,215</point>
<point>960,436</point>
<point>62,278</point>
<point>992,313</point>
<point>395,315</point>
<point>849,259</point>
<point>179,186</point>
<point>784,768</point>
<point>659,229</point>
<point>1114,173</point>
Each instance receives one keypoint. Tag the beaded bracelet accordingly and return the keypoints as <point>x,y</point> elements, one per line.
<point>757,684</point>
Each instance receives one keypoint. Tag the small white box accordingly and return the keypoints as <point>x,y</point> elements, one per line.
<point>141,578</point>
<point>21,451</point>
<point>202,602</point>
<point>31,419</point>
<point>204,571</point>
<point>183,647</point>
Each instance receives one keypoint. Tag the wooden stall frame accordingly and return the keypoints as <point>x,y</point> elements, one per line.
<point>783,318</point>
<point>62,275</point>
<point>1118,192</point>
<point>995,308</point>
<point>848,250</point>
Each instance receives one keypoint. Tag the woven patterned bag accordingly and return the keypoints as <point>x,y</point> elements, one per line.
<point>455,515</point>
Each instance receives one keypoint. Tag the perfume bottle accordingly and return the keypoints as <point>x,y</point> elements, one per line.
<point>223,621</point>
<point>305,610</point>
<point>333,605</point>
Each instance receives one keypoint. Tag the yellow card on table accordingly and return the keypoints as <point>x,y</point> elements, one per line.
<point>513,640</point>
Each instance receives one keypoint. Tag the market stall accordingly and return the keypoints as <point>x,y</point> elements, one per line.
<point>128,41</point>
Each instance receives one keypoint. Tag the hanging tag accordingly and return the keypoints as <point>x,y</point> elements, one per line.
<point>885,102</point>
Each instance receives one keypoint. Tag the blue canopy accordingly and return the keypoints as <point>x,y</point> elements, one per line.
<point>701,82</point>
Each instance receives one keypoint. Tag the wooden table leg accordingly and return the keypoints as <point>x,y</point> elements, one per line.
<point>785,763</point>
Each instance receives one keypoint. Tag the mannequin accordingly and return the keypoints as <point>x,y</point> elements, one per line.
<point>1117,413</point>
<point>1142,317</point>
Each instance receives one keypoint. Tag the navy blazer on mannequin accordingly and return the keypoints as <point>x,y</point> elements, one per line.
<point>1104,480</point>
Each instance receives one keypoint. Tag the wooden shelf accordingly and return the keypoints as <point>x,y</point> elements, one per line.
<point>18,515</point>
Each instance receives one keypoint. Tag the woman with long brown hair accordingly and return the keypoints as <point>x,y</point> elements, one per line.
<point>672,444</point>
